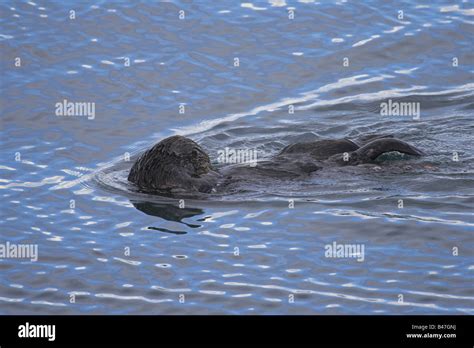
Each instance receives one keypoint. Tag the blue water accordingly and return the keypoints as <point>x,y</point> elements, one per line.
<point>63,179</point>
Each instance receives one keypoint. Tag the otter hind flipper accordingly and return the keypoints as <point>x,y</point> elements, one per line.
<point>367,138</point>
<point>377,147</point>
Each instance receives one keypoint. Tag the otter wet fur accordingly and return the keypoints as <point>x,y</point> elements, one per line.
<point>178,165</point>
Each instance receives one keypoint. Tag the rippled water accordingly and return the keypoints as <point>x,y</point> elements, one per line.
<point>63,179</point>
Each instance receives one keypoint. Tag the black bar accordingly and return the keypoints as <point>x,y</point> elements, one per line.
<point>293,330</point>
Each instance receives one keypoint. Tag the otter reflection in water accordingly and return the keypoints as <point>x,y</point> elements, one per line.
<point>178,165</point>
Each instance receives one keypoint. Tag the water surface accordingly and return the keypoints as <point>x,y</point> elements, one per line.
<point>63,179</point>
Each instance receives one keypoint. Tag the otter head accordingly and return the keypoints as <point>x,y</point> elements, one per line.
<point>175,164</point>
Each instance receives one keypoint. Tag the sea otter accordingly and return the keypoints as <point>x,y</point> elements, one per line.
<point>178,165</point>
